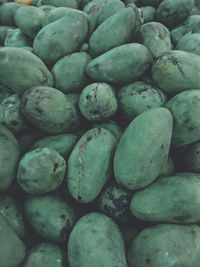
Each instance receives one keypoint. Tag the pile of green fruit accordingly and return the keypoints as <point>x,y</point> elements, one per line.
<point>100,133</point>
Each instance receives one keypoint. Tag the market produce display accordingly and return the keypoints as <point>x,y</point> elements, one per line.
<point>99,133</point>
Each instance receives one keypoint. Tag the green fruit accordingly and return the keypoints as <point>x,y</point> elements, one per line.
<point>50,216</point>
<point>70,72</point>
<point>115,31</point>
<point>55,14</point>
<point>47,8</point>
<point>61,37</point>
<point>30,70</point>
<point>190,157</point>
<point>165,245</point>
<point>12,249</point>
<point>168,168</point>
<point>190,43</point>
<point>98,102</point>
<point>4,32</point>
<point>16,38</point>
<point>154,3</point>
<point>90,164</point>
<point>124,63</point>
<point>151,127</point>
<point>112,126</point>
<point>148,13</point>
<point>176,71</point>
<point>9,157</point>
<point>96,241</point>
<point>49,109</point>
<point>7,12</point>
<point>61,3</point>
<point>41,171</point>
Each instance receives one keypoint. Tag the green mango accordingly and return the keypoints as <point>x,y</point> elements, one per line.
<point>148,13</point>
<point>115,31</point>
<point>150,127</point>
<point>156,37</point>
<point>9,157</point>
<point>169,167</point>
<point>3,33</point>
<point>62,143</point>
<point>12,249</point>
<point>96,241</point>
<point>47,8</point>
<point>61,37</point>
<point>50,216</point>
<point>122,64</point>
<point>85,179</point>
<point>98,102</point>
<point>16,38</point>
<point>70,72</point>
<point>7,12</point>
<point>190,43</point>
<point>138,97</point>
<point>139,20</point>
<point>43,255</point>
<point>49,109</point>
<point>171,12</point>
<point>185,108</point>
<point>24,67</point>
<point>110,8</point>
<point>165,245</point>
<point>176,71</point>
<point>179,195</point>
<point>153,3</point>
<point>61,3</point>
<point>112,126</point>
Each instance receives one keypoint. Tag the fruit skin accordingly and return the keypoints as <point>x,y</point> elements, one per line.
<point>190,43</point>
<point>179,195</point>
<point>9,157</point>
<point>12,250</point>
<point>7,12</point>
<point>24,2</point>
<point>115,31</point>
<point>61,37</point>
<point>121,64</point>
<point>61,3</point>
<point>148,13</point>
<point>90,164</point>
<point>151,127</point>
<point>176,71</point>
<point>96,241</point>
<point>164,245</point>
<point>55,14</point>
<point>16,38</point>
<point>30,72</point>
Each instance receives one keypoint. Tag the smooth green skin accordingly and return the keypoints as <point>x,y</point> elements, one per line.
<point>10,210</point>
<point>16,38</point>
<point>195,11</point>
<point>96,241</point>
<point>112,126</point>
<point>110,8</point>
<point>151,127</point>
<point>171,12</point>
<point>50,216</point>
<point>114,201</point>
<point>30,70</point>
<point>47,8</point>
<point>49,109</point>
<point>4,32</point>
<point>190,43</point>
<point>11,116</point>
<point>70,72</point>
<point>56,14</point>
<point>122,64</point>
<point>28,48</point>
<point>90,164</point>
<point>148,13</point>
<point>168,168</point>
<point>156,37</point>
<point>138,97</point>
<point>29,26</point>
<point>115,31</point>
<point>61,37</point>
<point>7,12</point>
<point>84,48</point>
<point>166,245</point>
<point>187,26</point>
<point>12,249</point>
<point>83,3</point>
<point>43,255</point>
<point>61,3</point>
<point>190,158</point>
<point>98,102</point>
<point>41,171</point>
<point>9,157</point>
<point>179,195</point>
<point>62,143</point>
<point>196,27</point>
<point>185,108</point>
<point>176,71</point>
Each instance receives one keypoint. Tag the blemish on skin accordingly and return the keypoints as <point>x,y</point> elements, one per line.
<point>148,260</point>
<point>55,166</point>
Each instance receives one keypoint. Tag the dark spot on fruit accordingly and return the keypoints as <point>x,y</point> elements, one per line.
<point>89,138</point>
<point>162,146</point>
<point>14,123</point>
<point>88,97</point>
<point>176,63</point>
<point>39,110</point>
<point>182,218</point>
<point>148,260</point>
<point>63,216</point>
<point>79,198</point>
<point>55,166</point>
<point>96,112</point>
<point>42,250</point>
<point>24,102</point>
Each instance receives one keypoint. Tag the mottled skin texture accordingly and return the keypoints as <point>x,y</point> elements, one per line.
<point>12,249</point>
<point>7,12</point>
<point>185,108</point>
<point>96,241</point>
<point>56,14</point>
<point>50,216</point>
<point>190,157</point>
<point>115,31</point>
<point>148,13</point>
<point>190,43</point>
<point>16,38</point>
<point>90,164</point>
<point>3,33</point>
<point>166,245</point>
<point>98,102</point>
<point>151,127</point>
<point>154,3</point>
<point>61,3</point>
